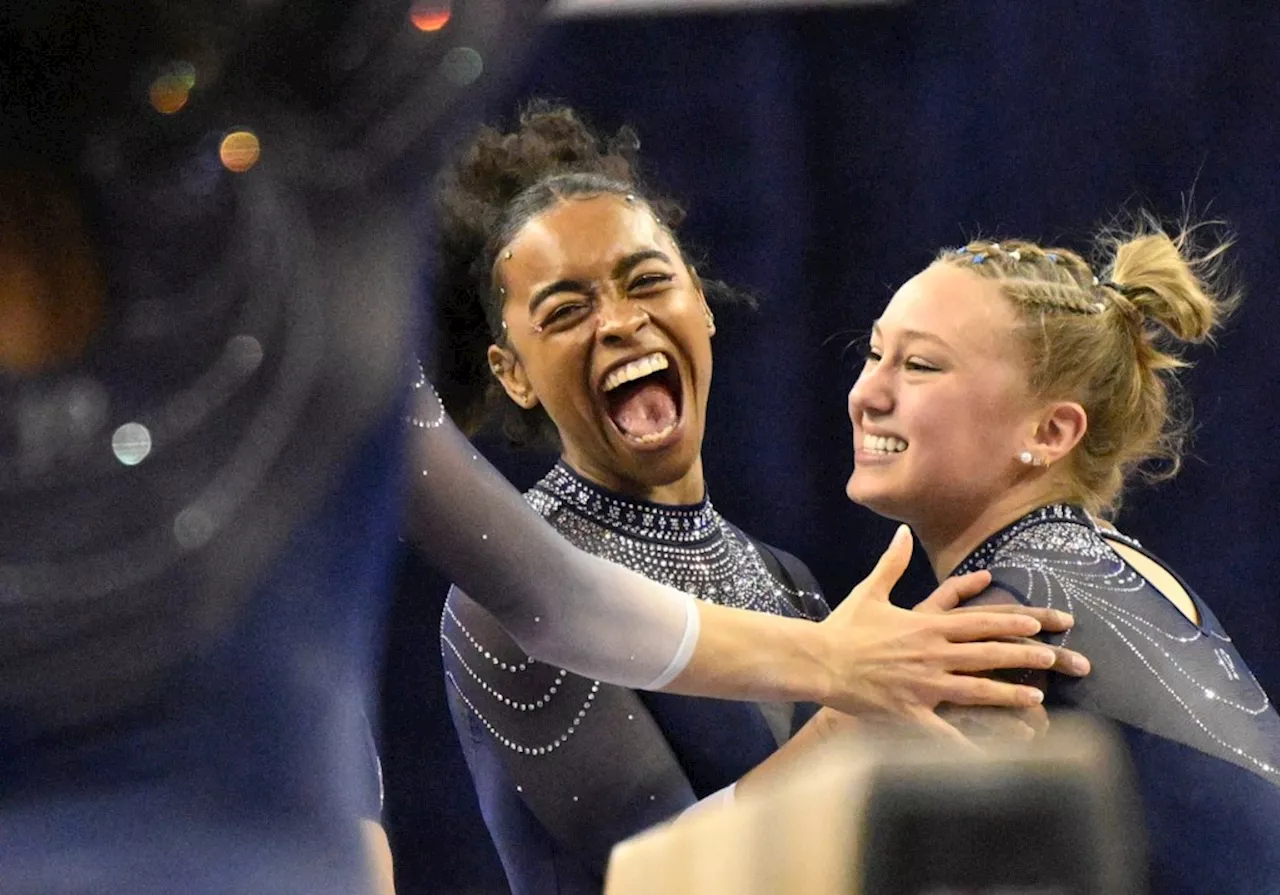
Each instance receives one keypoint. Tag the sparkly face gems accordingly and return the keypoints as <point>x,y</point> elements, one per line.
<point>595,284</point>
<point>942,377</point>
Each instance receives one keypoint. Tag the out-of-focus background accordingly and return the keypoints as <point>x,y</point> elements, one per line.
<point>825,154</point>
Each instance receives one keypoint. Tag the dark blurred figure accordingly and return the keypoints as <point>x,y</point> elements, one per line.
<point>206,267</point>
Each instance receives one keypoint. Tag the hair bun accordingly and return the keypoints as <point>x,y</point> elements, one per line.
<point>1171,281</point>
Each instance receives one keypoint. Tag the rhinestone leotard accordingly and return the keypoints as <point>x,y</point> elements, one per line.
<point>566,766</point>
<point>1203,735</point>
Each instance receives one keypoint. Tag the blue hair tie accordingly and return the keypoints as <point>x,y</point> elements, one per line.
<point>980,258</point>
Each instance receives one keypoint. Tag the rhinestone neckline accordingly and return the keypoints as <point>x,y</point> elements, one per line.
<point>634,518</point>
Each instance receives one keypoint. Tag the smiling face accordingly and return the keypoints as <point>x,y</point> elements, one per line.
<point>941,410</point>
<point>608,330</point>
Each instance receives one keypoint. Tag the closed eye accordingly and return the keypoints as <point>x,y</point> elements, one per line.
<point>564,312</point>
<point>916,365</point>
<point>649,281</point>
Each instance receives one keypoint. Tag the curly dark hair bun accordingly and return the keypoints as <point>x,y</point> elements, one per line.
<point>500,181</point>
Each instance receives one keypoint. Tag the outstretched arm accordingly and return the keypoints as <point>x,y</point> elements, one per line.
<point>870,656</point>
<point>600,620</point>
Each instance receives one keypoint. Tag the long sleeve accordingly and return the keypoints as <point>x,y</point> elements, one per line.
<point>586,759</point>
<point>559,603</point>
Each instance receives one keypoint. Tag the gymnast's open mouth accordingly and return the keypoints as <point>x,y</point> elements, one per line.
<point>644,399</point>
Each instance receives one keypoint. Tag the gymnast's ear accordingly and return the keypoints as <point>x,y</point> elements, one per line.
<point>509,370</point>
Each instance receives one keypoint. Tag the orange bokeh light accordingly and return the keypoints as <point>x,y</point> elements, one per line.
<point>430,16</point>
<point>239,151</point>
<point>168,94</point>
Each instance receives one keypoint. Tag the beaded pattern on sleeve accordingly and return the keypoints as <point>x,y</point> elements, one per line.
<point>1067,564</point>
<point>691,548</point>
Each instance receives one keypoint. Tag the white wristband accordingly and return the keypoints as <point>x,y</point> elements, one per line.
<point>684,652</point>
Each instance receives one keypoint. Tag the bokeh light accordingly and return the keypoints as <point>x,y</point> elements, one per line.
<point>462,65</point>
<point>171,89</point>
<point>239,151</point>
<point>244,352</point>
<point>430,16</point>
<point>168,94</point>
<point>192,528</point>
<point>131,443</point>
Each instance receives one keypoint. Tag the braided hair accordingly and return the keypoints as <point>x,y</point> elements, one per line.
<point>1112,341</point>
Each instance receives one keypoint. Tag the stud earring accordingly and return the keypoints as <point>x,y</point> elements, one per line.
<point>1026,458</point>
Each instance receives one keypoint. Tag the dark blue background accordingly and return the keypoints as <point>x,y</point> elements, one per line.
<point>824,156</point>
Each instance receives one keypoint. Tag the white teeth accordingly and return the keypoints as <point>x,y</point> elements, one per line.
<point>653,437</point>
<point>637,369</point>
<point>883,444</point>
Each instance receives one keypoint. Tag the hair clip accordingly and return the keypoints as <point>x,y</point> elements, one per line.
<point>963,250</point>
<point>1015,255</point>
<point>995,247</point>
<point>1095,281</point>
<point>979,258</point>
<point>1053,257</point>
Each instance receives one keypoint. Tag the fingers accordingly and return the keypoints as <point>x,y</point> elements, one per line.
<point>968,585</point>
<point>1036,717</point>
<point>986,723</point>
<point>1069,662</point>
<point>964,690</point>
<point>1065,661</point>
<point>951,593</point>
<point>933,724</point>
<point>944,598</point>
<point>1052,621</point>
<point>892,563</point>
<point>993,655</point>
<point>979,624</point>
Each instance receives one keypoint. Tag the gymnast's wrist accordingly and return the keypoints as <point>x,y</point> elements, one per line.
<point>821,650</point>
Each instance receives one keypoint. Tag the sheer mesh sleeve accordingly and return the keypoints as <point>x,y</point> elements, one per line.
<point>563,606</point>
